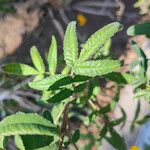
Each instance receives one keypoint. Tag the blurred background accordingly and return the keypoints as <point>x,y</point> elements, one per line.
<point>24,23</point>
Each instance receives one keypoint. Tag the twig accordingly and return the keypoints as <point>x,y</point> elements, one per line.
<point>26,104</point>
<point>121,9</point>
<point>29,94</point>
<point>63,16</point>
<point>18,96</point>
<point>66,21</point>
<point>21,84</point>
<point>105,3</point>
<point>64,126</point>
<point>7,93</point>
<point>58,26</point>
<point>93,11</point>
<point>97,8</point>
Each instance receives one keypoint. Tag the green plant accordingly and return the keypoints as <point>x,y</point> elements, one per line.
<point>139,29</point>
<point>76,86</point>
<point>138,68</point>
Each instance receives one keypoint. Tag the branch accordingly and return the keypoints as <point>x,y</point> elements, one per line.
<point>64,126</point>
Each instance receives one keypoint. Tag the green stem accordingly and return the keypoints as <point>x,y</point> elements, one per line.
<point>64,126</point>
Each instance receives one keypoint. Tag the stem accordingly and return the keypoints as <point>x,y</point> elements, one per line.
<point>64,126</point>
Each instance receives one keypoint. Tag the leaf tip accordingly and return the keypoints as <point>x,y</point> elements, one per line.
<point>33,48</point>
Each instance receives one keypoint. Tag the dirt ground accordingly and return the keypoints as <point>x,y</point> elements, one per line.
<point>34,24</point>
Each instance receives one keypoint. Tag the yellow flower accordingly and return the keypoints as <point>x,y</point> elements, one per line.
<point>82,20</point>
<point>134,148</point>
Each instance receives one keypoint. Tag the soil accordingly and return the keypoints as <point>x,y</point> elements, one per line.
<point>37,26</point>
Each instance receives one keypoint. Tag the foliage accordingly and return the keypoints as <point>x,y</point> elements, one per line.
<point>138,68</point>
<point>74,87</point>
<point>139,29</point>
